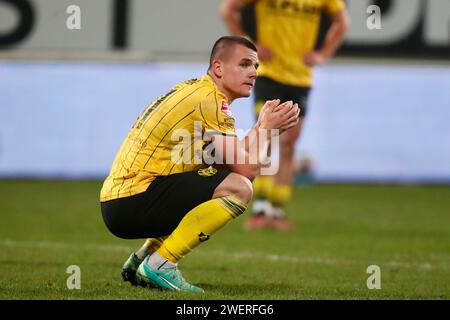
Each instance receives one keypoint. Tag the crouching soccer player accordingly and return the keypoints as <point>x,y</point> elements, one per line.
<point>176,204</point>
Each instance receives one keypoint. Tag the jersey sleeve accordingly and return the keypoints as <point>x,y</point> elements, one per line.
<point>332,7</point>
<point>216,116</point>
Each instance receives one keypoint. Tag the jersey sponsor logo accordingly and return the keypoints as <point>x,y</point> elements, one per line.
<point>225,108</point>
<point>208,172</point>
<point>227,123</point>
<point>192,81</point>
<point>288,7</point>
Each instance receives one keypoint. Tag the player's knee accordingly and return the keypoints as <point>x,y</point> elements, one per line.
<point>235,185</point>
<point>246,190</point>
<point>240,187</point>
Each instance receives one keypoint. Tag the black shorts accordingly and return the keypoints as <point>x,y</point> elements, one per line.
<point>158,211</point>
<point>268,89</point>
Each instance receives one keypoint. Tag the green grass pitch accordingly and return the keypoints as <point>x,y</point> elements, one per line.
<point>47,226</point>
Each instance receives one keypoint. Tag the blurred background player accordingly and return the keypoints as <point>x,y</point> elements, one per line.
<point>285,35</point>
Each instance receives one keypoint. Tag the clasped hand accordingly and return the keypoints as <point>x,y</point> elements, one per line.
<point>279,116</point>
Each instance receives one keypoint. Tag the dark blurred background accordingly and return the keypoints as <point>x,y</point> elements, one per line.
<point>69,93</point>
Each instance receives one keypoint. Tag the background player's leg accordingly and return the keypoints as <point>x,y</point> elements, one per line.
<point>281,191</point>
<point>262,186</point>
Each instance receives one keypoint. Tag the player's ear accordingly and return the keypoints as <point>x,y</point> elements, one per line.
<point>217,68</point>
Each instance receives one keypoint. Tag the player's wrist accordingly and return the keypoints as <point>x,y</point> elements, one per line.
<point>267,131</point>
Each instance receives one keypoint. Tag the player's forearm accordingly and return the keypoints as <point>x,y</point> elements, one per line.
<point>335,35</point>
<point>255,150</point>
<point>230,13</point>
<point>241,156</point>
<point>256,137</point>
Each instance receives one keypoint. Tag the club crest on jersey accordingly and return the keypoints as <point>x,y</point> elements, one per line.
<point>225,108</point>
<point>207,172</point>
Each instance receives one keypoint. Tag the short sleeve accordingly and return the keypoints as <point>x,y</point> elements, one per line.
<point>215,113</point>
<point>332,7</point>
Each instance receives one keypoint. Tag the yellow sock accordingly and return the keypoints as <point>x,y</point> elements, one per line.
<point>153,244</point>
<point>150,246</point>
<point>262,187</point>
<point>198,225</point>
<point>280,195</point>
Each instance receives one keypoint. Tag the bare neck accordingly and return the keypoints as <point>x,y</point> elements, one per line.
<point>218,82</point>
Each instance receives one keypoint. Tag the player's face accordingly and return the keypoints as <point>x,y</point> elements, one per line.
<point>239,72</point>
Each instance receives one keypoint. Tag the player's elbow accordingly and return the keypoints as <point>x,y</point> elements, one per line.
<point>344,22</point>
<point>228,11</point>
<point>224,11</point>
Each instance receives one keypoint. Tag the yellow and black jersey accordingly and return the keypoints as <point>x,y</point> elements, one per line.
<point>169,137</point>
<point>290,28</point>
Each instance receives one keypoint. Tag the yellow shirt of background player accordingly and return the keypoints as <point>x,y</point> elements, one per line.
<point>289,28</point>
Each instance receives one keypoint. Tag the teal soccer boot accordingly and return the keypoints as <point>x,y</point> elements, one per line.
<point>165,279</point>
<point>129,269</point>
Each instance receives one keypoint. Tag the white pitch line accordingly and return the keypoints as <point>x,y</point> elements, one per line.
<point>62,245</point>
<point>238,255</point>
<point>318,260</point>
